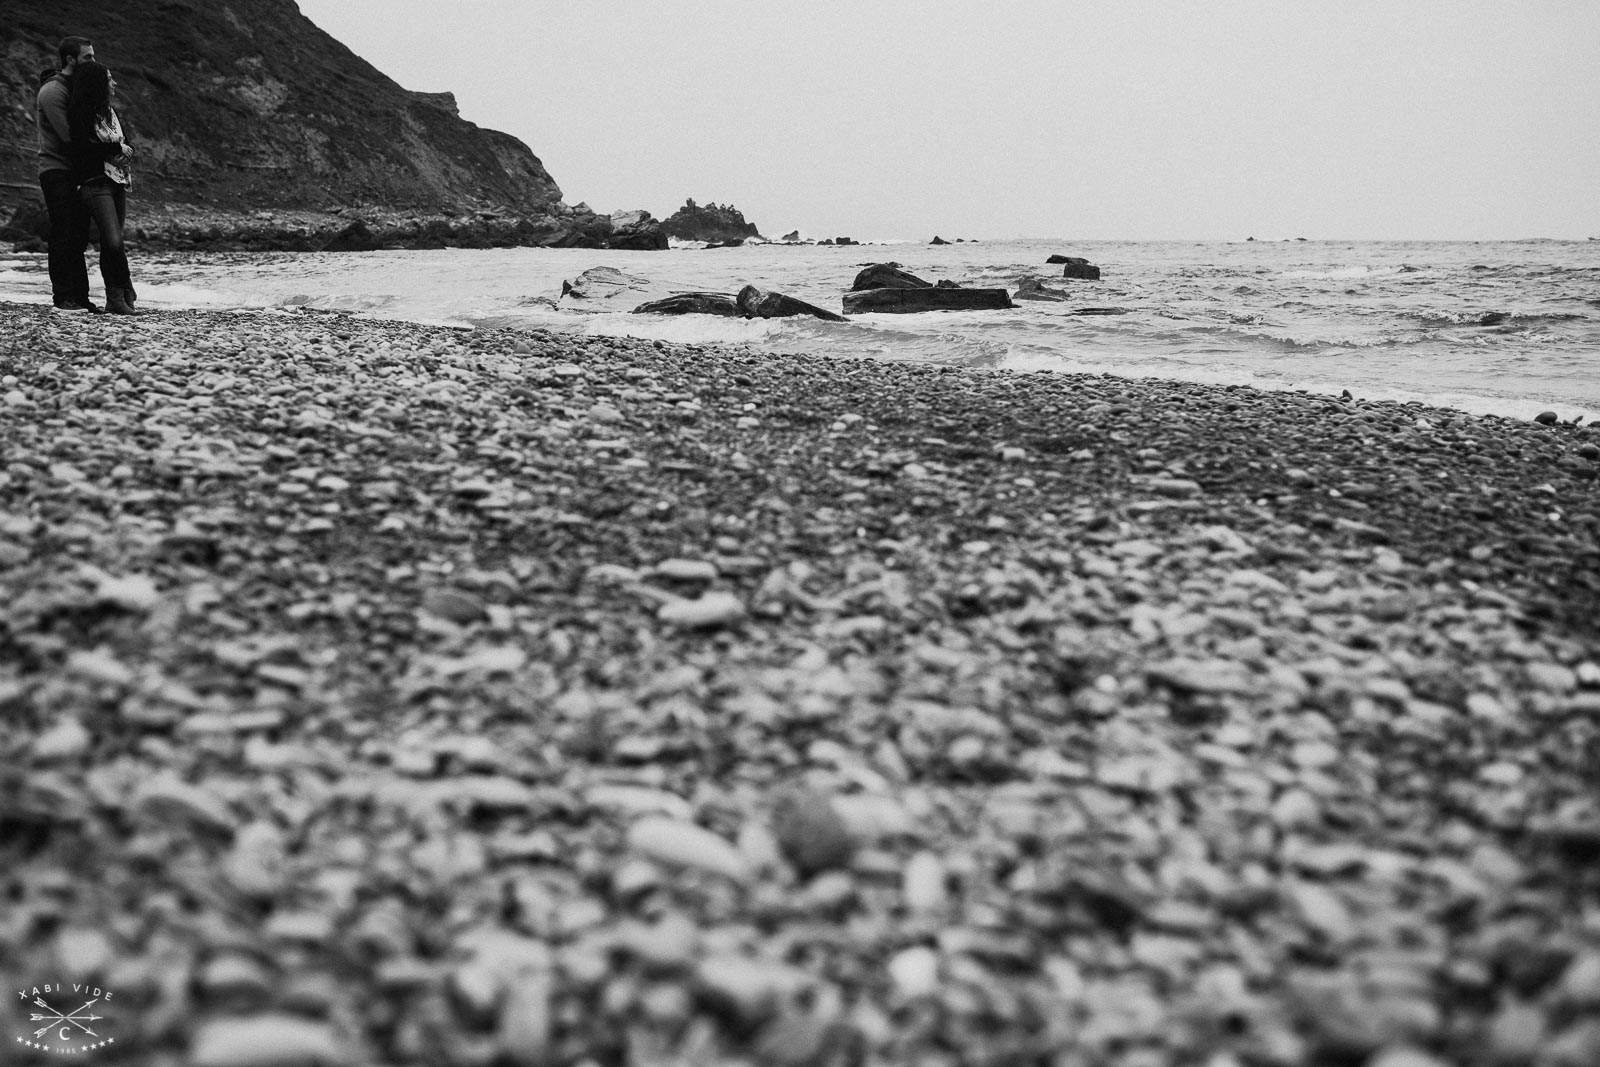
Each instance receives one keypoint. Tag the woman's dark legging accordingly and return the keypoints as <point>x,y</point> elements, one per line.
<point>108,204</point>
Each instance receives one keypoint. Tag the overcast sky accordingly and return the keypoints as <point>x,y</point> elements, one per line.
<point>880,119</point>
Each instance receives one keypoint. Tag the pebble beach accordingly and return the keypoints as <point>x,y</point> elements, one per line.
<point>380,693</point>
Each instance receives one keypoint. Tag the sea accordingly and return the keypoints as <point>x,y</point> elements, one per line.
<point>1505,327</point>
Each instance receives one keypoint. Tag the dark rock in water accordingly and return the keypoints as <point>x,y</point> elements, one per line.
<point>356,237</point>
<point>845,241</point>
<point>727,244</point>
<point>692,304</point>
<point>1494,318</point>
<point>932,298</point>
<point>792,235</point>
<point>1101,311</point>
<point>758,303</point>
<point>887,276</point>
<point>636,231</point>
<point>1547,418</point>
<point>571,239</point>
<point>937,240</point>
<point>711,222</point>
<point>601,283</point>
<point>1076,267</point>
<point>1034,289</point>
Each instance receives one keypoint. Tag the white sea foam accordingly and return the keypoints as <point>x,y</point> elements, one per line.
<point>1400,320</point>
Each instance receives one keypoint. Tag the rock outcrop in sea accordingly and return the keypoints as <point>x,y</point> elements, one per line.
<point>1076,267</point>
<point>257,130</point>
<point>885,287</point>
<point>720,223</point>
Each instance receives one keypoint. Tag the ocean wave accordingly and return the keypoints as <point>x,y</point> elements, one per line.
<point>1368,316</point>
<point>1499,319</point>
<point>1342,273</point>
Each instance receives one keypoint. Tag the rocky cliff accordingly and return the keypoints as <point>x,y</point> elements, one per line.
<point>257,129</point>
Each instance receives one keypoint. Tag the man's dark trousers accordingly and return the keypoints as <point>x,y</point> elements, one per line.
<point>69,236</point>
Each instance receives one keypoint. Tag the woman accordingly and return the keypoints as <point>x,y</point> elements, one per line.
<point>100,162</point>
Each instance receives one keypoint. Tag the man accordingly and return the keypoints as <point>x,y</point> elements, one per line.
<point>69,217</point>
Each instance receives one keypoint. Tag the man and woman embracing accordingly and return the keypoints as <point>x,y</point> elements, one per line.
<point>84,172</point>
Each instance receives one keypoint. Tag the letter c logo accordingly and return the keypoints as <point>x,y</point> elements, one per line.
<point>65,1036</point>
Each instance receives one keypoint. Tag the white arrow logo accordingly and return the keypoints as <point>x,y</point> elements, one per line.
<point>56,1017</point>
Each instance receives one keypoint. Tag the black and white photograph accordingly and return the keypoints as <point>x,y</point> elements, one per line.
<point>889,533</point>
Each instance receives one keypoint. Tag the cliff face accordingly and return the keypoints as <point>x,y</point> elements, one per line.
<point>246,104</point>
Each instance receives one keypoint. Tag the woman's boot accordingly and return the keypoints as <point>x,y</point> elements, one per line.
<point>117,302</point>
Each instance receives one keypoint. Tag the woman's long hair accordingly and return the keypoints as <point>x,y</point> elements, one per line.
<point>89,101</point>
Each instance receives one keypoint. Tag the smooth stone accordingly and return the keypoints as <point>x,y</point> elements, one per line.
<point>460,608</point>
<point>1552,677</point>
<point>1516,1033</point>
<point>272,1040</point>
<point>811,833</point>
<point>639,800</point>
<point>1315,755</point>
<point>236,977</point>
<point>915,971</point>
<point>167,798</point>
<point>255,865</point>
<point>1322,909</point>
<point>525,1021</point>
<point>67,739</point>
<point>1547,418</point>
<point>687,570</point>
<point>746,988</point>
<point>475,991</point>
<point>668,944</point>
<point>299,927</point>
<point>1579,987</point>
<point>1174,487</point>
<point>924,884</point>
<point>82,951</point>
<point>487,793</point>
<point>706,612</point>
<point>684,844</point>
<point>1214,676</point>
<point>134,592</point>
<point>1405,1056</point>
